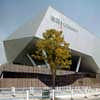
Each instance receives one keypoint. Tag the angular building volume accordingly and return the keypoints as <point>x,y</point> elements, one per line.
<point>85,47</point>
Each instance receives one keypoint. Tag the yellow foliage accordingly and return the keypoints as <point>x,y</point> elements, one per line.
<point>56,49</point>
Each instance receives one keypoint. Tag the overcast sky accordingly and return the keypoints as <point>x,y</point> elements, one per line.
<point>14,13</point>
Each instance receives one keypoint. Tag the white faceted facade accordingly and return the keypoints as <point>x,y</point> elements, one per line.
<point>80,39</point>
<point>83,44</point>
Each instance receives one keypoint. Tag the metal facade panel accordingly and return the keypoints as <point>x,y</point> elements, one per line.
<point>14,47</point>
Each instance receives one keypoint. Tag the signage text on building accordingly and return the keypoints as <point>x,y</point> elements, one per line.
<point>62,23</point>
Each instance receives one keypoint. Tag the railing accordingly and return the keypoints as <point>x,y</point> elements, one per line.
<point>60,92</point>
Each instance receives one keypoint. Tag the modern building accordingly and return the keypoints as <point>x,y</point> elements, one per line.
<point>85,46</point>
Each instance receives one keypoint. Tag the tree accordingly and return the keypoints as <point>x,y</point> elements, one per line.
<point>57,52</point>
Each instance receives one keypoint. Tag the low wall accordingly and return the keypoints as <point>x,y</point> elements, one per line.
<point>20,83</point>
<point>41,77</point>
<point>46,81</point>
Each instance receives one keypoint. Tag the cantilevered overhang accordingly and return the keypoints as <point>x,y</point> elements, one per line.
<point>87,63</point>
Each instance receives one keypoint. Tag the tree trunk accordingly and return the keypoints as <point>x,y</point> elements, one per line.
<point>53,79</point>
<point>53,71</point>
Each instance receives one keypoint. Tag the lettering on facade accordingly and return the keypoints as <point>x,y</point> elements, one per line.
<point>60,22</point>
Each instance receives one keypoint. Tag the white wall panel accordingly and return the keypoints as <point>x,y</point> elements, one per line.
<point>80,40</point>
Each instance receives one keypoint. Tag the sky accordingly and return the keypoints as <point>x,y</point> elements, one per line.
<point>14,13</point>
